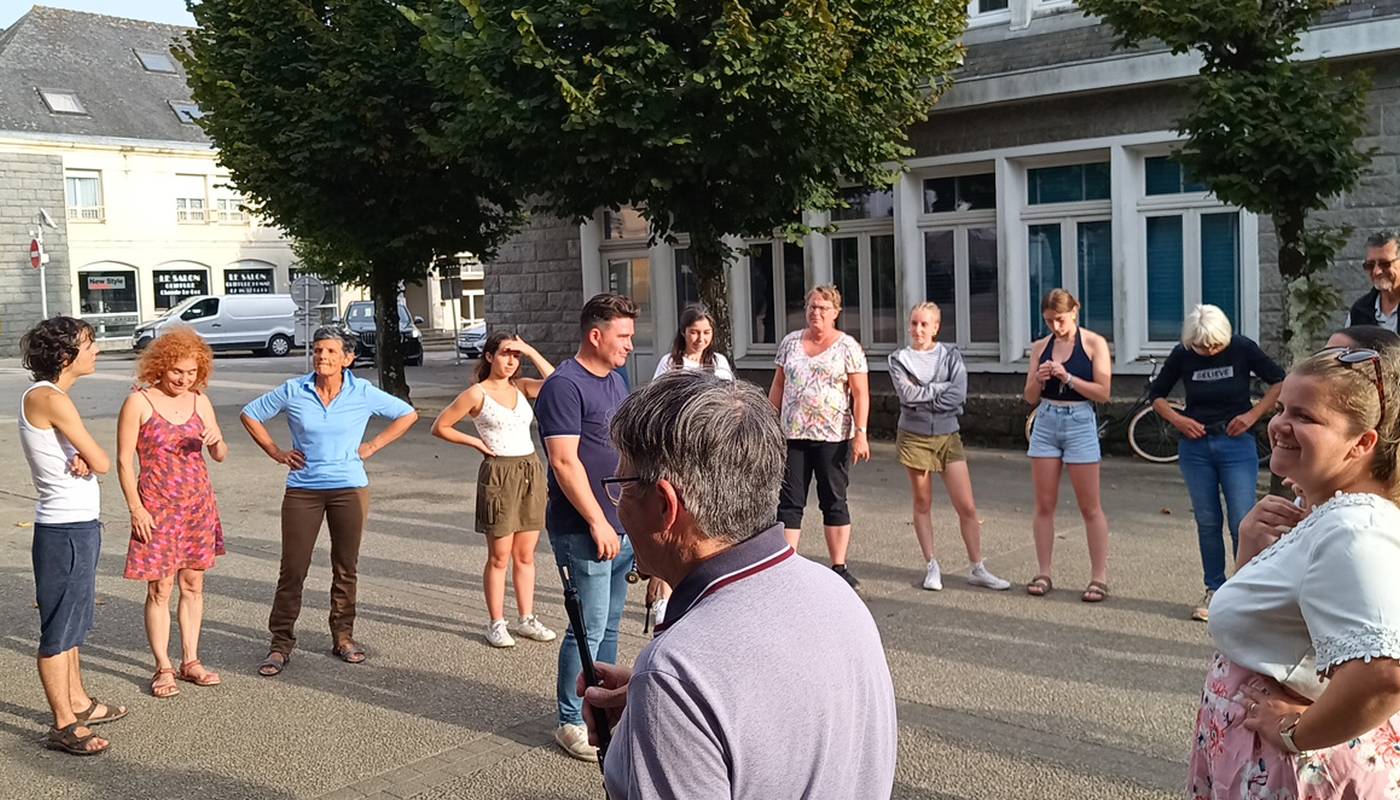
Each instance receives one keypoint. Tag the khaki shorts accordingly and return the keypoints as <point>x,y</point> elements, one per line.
<point>510,495</point>
<point>929,453</point>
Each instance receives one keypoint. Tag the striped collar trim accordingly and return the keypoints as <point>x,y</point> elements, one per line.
<point>743,560</point>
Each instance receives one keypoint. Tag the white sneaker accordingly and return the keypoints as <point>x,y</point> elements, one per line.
<point>573,739</point>
<point>933,579</point>
<point>531,628</point>
<point>658,612</point>
<point>498,636</point>
<point>979,576</point>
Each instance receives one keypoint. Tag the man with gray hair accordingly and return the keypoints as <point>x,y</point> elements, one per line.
<point>766,680</point>
<point>1381,305</point>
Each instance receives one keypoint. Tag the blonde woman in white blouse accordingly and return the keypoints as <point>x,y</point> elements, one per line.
<point>1303,700</point>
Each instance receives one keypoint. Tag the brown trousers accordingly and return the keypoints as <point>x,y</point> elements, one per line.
<point>345,512</point>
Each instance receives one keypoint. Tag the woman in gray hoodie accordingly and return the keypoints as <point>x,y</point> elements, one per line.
<point>931,382</point>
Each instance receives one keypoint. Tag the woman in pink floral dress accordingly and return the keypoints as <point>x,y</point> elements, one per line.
<point>175,529</point>
<point>1303,699</point>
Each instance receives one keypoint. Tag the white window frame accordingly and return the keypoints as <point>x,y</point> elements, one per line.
<point>863,230</point>
<point>779,267</point>
<point>51,98</point>
<point>959,222</point>
<point>85,214</point>
<point>186,211</point>
<point>977,19</point>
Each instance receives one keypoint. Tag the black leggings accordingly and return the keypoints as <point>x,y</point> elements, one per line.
<point>831,463</point>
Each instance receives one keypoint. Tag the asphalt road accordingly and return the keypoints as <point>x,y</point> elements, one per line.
<point>1001,695</point>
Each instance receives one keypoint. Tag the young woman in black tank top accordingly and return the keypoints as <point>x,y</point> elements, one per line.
<point>1069,370</point>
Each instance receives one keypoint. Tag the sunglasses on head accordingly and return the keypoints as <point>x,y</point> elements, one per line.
<point>1352,356</point>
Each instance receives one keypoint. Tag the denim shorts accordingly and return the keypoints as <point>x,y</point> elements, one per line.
<point>65,582</point>
<point>1067,432</point>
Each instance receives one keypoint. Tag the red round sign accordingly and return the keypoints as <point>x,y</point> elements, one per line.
<point>35,255</point>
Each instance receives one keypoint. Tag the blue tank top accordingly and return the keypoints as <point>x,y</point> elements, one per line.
<point>1079,365</point>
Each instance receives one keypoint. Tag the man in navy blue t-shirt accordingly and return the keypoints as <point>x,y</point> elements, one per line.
<point>575,407</point>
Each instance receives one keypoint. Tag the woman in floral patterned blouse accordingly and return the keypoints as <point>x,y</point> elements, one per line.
<point>822,392</point>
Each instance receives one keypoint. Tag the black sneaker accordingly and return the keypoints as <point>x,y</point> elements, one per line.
<point>840,569</point>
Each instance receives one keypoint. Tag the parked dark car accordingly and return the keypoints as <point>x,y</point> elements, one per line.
<point>472,341</point>
<point>359,318</point>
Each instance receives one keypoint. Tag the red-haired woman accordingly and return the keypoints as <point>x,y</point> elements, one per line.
<point>175,529</point>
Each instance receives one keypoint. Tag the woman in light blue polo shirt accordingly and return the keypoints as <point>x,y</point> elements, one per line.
<point>327,412</point>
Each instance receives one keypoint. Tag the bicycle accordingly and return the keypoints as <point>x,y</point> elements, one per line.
<point>1150,436</point>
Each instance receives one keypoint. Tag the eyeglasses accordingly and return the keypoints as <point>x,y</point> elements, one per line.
<point>821,309</point>
<point>1378,263</point>
<point>612,487</point>
<point>1361,355</point>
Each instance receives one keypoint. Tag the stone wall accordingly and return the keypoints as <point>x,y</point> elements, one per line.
<point>535,286</point>
<point>27,184</point>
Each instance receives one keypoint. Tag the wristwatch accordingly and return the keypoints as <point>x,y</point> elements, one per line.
<point>859,429</point>
<point>1286,730</point>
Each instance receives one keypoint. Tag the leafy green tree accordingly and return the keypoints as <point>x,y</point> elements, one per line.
<point>319,110</point>
<point>1266,133</point>
<point>712,117</point>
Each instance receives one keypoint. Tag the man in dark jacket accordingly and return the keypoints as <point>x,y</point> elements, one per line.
<point>1381,305</point>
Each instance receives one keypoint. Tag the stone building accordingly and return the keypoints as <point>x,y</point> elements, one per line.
<point>1047,164</point>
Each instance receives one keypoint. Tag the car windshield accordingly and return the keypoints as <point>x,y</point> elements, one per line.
<point>364,312</point>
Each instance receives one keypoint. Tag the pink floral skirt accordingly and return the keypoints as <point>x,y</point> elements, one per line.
<point>1229,762</point>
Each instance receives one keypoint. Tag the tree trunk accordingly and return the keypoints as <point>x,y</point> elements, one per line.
<point>711,256</point>
<point>388,352</point>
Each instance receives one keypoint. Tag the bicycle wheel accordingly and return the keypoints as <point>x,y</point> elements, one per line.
<point>1152,437</point>
<point>1030,424</point>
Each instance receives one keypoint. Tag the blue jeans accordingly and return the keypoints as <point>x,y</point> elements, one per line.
<point>1211,465</point>
<point>602,591</point>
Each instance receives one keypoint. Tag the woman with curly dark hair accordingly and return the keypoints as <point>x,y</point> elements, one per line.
<point>175,528</point>
<point>64,462</point>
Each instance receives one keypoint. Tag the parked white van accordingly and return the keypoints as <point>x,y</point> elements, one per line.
<point>263,323</point>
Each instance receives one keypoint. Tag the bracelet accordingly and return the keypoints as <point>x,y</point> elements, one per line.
<point>1069,381</point>
<point>1286,731</point>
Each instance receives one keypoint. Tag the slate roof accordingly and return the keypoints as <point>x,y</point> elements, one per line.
<point>93,56</point>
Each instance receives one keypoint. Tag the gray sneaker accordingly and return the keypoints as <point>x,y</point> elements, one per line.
<point>979,575</point>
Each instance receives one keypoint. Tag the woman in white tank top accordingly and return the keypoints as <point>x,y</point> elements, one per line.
<point>64,461</point>
<point>510,485</point>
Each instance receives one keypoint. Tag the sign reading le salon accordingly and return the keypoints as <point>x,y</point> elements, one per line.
<point>172,286</point>
<point>248,281</point>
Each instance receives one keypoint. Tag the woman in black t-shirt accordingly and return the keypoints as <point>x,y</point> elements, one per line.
<point>1217,449</point>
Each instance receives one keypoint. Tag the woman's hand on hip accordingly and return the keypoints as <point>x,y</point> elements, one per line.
<point>292,459</point>
<point>1267,704</point>
<point>1240,424</point>
<point>1189,428</point>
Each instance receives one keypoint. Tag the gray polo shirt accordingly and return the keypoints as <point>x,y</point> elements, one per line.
<point>767,681</point>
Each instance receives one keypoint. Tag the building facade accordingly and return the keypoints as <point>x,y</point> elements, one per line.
<point>97,131</point>
<point>1047,164</point>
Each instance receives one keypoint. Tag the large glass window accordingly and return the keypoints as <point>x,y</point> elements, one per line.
<point>83,189</point>
<point>960,193</point>
<point>107,299</point>
<point>777,291</point>
<point>687,282</point>
<point>1095,263</point>
<point>625,223</point>
<point>984,298</point>
<point>940,278</point>
<point>961,272</point>
<point>845,274</point>
<point>865,203</point>
<point>1166,301</point>
<point>1165,175</point>
<point>632,277</point>
<point>1046,261</point>
<point>191,200</point>
<point>1073,183</point>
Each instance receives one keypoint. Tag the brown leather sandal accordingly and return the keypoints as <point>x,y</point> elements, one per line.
<point>113,714</point>
<point>1096,592</point>
<point>163,684</point>
<point>204,678</point>
<point>67,740</point>
<point>1040,586</point>
<point>352,652</point>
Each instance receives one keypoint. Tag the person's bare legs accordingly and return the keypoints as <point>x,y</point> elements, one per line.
<point>1085,480</point>
<point>921,482</point>
<point>793,535</point>
<point>523,571</point>
<point>78,698</point>
<point>191,614</point>
<point>55,673</point>
<point>493,577</point>
<point>957,479</point>
<point>158,619</point>
<point>838,539</point>
<point>1045,476</point>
